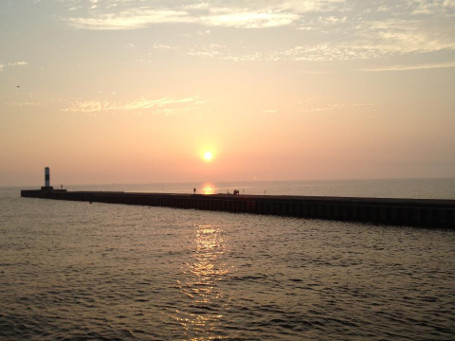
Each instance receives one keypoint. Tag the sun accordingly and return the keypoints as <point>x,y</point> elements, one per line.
<point>208,156</point>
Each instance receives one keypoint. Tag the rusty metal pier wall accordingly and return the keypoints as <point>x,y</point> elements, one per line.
<point>402,212</point>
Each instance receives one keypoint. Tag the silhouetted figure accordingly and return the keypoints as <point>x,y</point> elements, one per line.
<point>194,191</point>
<point>236,192</point>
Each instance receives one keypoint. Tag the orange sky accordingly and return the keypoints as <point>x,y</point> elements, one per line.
<point>128,92</point>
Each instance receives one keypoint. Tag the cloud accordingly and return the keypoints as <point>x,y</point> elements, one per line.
<point>344,39</point>
<point>249,19</point>
<point>134,14</point>
<point>403,36</point>
<point>305,6</point>
<point>27,104</point>
<point>165,105</point>
<point>323,52</point>
<point>132,19</point>
<point>330,106</point>
<point>412,67</point>
<point>431,6</point>
<point>162,47</point>
<point>210,51</point>
<point>12,64</point>
<point>204,32</point>
<point>20,63</point>
<point>223,17</point>
<point>197,6</point>
<point>317,30</point>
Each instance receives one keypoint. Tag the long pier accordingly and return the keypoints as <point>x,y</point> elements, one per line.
<point>429,213</point>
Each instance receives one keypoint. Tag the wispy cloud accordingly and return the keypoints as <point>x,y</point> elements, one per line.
<point>249,19</point>
<point>317,30</point>
<point>412,67</point>
<point>27,104</point>
<point>209,51</point>
<point>131,19</point>
<point>162,47</point>
<point>165,105</point>
<point>360,40</point>
<point>20,63</point>
<point>431,6</point>
<point>403,36</point>
<point>12,64</point>
<point>122,15</point>
<point>331,106</point>
<point>133,14</point>
<point>302,6</point>
<point>322,52</point>
<point>224,17</point>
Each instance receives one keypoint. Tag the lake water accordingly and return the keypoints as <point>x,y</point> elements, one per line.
<point>75,271</point>
<point>394,188</point>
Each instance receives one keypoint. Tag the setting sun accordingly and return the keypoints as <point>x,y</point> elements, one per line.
<point>208,156</point>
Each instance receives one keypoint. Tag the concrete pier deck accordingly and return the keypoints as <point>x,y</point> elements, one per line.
<point>429,213</point>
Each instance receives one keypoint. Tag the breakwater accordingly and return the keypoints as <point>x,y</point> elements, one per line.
<point>407,212</point>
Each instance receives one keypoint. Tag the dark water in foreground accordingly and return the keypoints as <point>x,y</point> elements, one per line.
<point>71,270</point>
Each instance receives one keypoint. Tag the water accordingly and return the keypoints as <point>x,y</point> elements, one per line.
<point>386,188</point>
<point>71,270</point>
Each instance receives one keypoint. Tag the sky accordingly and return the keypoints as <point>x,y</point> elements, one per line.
<point>136,91</point>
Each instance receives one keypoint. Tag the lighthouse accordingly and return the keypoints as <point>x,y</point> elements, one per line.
<point>47,179</point>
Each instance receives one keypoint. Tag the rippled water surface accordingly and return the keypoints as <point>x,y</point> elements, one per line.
<point>71,270</point>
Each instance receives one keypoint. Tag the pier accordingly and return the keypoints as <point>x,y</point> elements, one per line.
<point>430,213</point>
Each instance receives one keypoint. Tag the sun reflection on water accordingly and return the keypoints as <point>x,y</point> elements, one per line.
<point>203,311</point>
<point>208,188</point>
